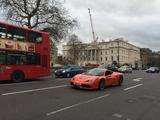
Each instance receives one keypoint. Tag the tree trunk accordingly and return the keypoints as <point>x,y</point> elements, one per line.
<point>29,22</point>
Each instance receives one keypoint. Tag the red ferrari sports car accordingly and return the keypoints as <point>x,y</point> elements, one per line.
<point>97,78</point>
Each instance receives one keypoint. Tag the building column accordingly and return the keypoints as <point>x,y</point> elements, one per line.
<point>91,55</point>
<point>87,56</point>
<point>95,55</point>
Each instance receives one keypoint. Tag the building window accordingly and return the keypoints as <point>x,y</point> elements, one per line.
<point>101,53</point>
<point>112,51</point>
<point>101,58</point>
<point>112,58</point>
<point>106,58</point>
<point>106,53</point>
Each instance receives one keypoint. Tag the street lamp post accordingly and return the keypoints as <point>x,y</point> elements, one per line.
<point>118,52</point>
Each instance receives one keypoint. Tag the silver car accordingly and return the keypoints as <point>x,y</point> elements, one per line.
<point>125,69</point>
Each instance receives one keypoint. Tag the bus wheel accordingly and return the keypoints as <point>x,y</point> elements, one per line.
<point>17,76</point>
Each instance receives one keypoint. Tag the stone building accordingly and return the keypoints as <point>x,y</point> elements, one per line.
<point>146,57</point>
<point>118,50</point>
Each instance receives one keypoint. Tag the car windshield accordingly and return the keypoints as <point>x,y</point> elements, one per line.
<point>66,67</point>
<point>124,67</point>
<point>152,68</point>
<point>95,72</point>
<point>102,66</point>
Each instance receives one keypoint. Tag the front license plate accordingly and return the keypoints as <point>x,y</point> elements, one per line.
<point>77,84</point>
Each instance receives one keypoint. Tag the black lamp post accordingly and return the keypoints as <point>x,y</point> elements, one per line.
<point>118,51</point>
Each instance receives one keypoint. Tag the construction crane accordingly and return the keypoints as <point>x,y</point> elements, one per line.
<point>93,34</point>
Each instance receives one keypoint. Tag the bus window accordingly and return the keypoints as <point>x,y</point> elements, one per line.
<point>16,59</point>
<point>2,58</point>
<point>34,37</point>
<point>16,34</point>
<point>33,59</point>
<point>2,31</point>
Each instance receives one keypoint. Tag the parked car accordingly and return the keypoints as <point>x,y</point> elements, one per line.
<point>125,69</point>
<point>109,67</point>
<point>97,78</point>
<point>153,70</point>
<point>69,71</point>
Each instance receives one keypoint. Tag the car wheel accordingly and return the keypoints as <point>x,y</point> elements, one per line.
<point>120,81</point>
<point>101,85</point>
<point>17,76</point>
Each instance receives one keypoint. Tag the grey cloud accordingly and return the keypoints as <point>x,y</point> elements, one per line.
<point>136,20</point>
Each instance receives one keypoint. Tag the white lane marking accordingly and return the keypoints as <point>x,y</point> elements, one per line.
<point>137,79</point>
<point>117,115</point>
<point>128,119</point>
<point>63,79</point>
<point>34,90</point>
<point>132,87</point>
<point>12,84</point>
<point>75,105</point>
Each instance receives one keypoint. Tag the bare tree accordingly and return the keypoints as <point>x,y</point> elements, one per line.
<point>47,15</point>
<point>75,46</point>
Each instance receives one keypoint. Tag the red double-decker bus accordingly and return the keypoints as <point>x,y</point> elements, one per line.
<point>24,53</point>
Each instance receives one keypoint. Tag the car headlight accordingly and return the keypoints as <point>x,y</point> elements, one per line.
<point>72,79</point>
<point>63,71</point>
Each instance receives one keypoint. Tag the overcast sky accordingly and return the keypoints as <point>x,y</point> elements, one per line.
<point>138,21</point>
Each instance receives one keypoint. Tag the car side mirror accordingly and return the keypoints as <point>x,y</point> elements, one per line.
<point>108,75</point>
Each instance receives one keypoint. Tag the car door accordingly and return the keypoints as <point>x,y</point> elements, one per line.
<point>80,70</point>
<point>109,78</point>
<point>72,71</point>
<point>77,70</point>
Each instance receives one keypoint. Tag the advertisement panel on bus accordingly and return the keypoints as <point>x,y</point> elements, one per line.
<point>17,45</point>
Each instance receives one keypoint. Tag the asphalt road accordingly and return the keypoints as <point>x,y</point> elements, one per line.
<point>53,99</point>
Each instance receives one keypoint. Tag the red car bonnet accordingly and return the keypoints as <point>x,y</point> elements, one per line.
<point>82,77</point>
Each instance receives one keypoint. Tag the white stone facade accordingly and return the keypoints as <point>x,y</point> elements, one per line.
<point>107,52</point>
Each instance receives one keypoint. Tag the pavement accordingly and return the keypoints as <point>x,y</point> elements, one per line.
<point>53,99</point>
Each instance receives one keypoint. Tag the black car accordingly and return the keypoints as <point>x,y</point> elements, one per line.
<point>69,71</point>
<point>109,67</point>
<point>153,70</point>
